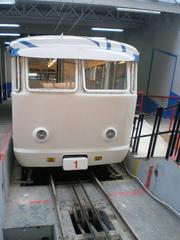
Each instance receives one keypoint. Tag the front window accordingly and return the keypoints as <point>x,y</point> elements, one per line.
<point>44,73</point>
<point>105,75</point>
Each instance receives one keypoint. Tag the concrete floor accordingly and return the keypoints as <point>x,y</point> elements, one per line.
<point>34,206</point>
<point>5,134</point>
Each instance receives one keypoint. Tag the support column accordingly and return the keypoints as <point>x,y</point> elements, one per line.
<point>3,73</point>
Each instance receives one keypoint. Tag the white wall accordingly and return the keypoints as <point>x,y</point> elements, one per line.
<point>142,42</point>
<point>164,35</point>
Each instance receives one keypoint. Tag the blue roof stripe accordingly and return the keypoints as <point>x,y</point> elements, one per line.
<point>94,41</point>
<point>123,48</point>
<point>108,45</point>
<point>14,52</point>
<point>136,57</point>
<point>28,44</point>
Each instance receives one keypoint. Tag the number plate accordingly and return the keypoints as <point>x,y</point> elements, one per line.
<point>75,163</point>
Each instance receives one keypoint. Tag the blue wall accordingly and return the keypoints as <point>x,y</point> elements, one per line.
<point>150,105</point>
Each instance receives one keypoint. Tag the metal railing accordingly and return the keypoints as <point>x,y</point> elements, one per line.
<point>140,102</point>
<point>142,97</point>
<point>173,149</point>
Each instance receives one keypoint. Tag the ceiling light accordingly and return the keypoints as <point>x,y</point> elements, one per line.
<point>122,9</point>
<point>7,2</point>
<point>9,25</point>
<point>32,74</point>
<point>121,62</point>
<point>107,29</point>
<point>10,34</point>
<point>51,62</point>
<point>7,43</point>
<point>98,38</point>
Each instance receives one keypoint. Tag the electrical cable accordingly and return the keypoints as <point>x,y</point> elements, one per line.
<point>176,213</point>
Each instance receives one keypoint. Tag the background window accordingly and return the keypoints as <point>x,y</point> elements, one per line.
<point>105,75</point>
<point>46,73</point>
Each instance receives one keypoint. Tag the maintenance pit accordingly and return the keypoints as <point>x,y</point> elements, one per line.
<point>32,233</point>
<point>31,209</point>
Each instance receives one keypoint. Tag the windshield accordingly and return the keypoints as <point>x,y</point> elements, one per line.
<point>104,75</point>
<point>46,73</point>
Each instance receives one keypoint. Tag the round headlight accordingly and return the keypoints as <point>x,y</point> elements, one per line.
<point>110,133</point>
<point>40,134</point>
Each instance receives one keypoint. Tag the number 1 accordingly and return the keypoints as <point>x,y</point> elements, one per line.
<point>75,164</point>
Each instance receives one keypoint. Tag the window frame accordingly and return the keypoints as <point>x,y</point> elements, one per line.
<point>101,91</point>
<point>16,76</point>
<point>133,82</point>
<point>50,90</point>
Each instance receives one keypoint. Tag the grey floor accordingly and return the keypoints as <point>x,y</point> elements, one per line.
<point>150,219</point>
<point>34,206</point>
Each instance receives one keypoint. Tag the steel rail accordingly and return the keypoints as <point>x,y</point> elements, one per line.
<point>133,235</point>
<point>95,211</point>
<point>85,217</point>
<point>57,206</point>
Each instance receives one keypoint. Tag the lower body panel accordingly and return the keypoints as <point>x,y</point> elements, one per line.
<point>54,158</point>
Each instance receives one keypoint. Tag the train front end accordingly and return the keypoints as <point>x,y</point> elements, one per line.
<point>73,101</point>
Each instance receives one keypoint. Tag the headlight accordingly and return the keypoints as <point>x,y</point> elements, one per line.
<point>40,134</point>
<point>110,133</point>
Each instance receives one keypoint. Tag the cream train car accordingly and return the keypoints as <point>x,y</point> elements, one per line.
<point>73,100</point>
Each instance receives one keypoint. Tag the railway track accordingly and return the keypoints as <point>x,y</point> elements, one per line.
<point>89,217</point>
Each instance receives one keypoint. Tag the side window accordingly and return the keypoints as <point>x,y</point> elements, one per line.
<point>120,75</point>
<point>133,76</point>
<point>51,74</point>
<point>105,75</point>
<point>100,76</point>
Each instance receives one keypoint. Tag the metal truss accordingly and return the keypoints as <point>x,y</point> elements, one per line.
<point>65,14</point>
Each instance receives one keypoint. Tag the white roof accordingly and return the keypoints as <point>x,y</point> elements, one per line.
<point>73,47</point>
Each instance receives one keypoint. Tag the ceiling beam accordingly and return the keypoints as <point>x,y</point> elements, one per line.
<point>68,15</point>
<point>143,4</point>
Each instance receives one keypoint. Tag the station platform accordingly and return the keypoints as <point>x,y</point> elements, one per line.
<point>161,145</point>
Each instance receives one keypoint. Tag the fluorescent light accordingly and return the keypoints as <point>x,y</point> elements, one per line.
<point>32,74</point>
<point>7,43</point>
<point>9,25</point>
<point>9,34</point>
<point>107,29</point>
<point>122,9</point>
<point>121,62</point>
<point>51,62</point>
<point>7,2</point>
<point>98,38</point>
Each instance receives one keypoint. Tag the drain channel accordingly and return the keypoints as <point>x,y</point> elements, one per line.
<point>80,226</point>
